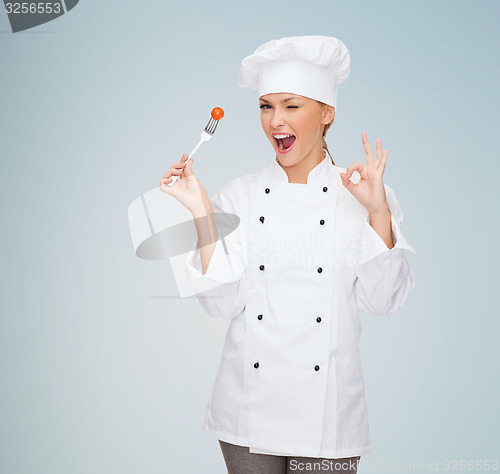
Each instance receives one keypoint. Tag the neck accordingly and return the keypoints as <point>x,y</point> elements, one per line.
<point>299,172</point>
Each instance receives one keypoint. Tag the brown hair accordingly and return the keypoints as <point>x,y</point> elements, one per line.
<point>325,146</point>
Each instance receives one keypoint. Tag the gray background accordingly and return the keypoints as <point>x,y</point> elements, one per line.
<point>103,369</point>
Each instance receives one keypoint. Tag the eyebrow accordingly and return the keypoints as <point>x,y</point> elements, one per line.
<point>284,100</point>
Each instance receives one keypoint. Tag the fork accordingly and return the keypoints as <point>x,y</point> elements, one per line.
<point>206,135</point>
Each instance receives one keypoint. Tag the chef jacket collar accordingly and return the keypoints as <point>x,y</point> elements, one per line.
<point>316,176</point>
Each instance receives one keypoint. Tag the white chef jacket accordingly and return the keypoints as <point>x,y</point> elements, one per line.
<point>299,268</point>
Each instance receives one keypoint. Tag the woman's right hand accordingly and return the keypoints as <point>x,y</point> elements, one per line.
<point>188,189</point>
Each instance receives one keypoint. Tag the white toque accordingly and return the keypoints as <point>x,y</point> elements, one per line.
<point>311,66</point>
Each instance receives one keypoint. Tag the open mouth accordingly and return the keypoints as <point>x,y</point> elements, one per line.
<point>284,142</point>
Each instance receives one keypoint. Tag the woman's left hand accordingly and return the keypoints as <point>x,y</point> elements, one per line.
<point>370,189</point>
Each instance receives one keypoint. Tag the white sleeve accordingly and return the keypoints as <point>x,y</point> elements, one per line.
<point>221,290</point>
<point>384,276</point>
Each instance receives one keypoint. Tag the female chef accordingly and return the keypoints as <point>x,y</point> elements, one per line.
<point>310,250</point>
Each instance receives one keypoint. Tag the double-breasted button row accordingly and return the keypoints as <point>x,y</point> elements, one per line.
<point>260,316</point>
<point>256,365</point>
<point>262,267</point>
<point>262,219</point>
<point>267,190</point>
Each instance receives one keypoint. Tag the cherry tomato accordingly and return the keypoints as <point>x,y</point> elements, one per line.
<point>217,113</point>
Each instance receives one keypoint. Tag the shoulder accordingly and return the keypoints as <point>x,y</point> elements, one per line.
<point>237,193</point>
<point>240,184</point>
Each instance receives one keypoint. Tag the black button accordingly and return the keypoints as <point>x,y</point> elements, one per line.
<point>321,221</point>
<point>261,267</point>
<point>268,190</point>
<point>256,365</point>
<point>262,219</point>
<point>320,270</point>
<point>325,189</point>
<point>316,368</point>
<point>259,316</point>
<point>318,319</point>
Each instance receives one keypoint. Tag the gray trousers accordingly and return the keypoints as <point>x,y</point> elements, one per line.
<point>239,460</point>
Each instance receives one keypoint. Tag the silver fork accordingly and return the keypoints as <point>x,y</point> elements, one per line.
<point>205,136</point>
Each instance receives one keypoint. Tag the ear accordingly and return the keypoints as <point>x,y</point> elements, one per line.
<point>328,114</point>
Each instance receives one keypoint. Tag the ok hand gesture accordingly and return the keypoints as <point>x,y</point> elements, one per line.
<point>370,189</point>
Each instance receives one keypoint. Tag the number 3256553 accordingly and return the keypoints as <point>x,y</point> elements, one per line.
<point>39,7</point>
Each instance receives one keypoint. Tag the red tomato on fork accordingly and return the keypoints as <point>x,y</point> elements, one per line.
<point>217,113</point>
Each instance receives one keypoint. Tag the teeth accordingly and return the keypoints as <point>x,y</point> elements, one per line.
<point>282,136</point>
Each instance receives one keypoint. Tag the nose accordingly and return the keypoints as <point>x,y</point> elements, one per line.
<point>277,119</point>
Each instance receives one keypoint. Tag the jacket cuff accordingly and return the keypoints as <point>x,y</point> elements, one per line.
<point>222,268</point>
<point>372,245</point>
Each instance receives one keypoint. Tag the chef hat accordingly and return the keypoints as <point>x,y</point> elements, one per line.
<point>311,66</point>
